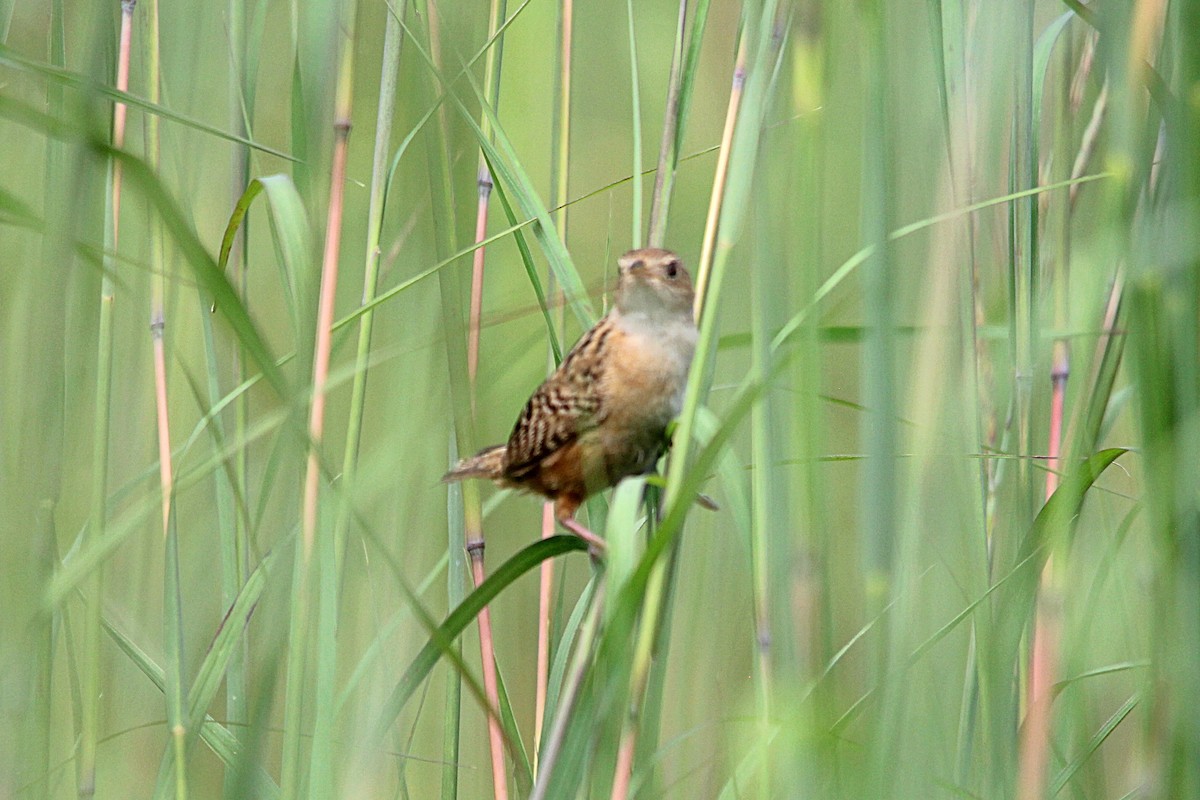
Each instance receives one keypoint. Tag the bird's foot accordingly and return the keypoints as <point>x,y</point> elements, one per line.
<point>596,545</point>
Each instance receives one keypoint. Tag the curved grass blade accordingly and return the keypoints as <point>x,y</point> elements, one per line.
<point>499,156</point>
<point>179,726</point>
<point>75,80</point>
<point>855,261</point>
<point>138,173</point>
<point>291,235</point>
<point>216,660</point>
<point>219,739</point>
<point>1093,744</point>
<point>566,641</point>
<point>208,274</point>
<point>441,639</point>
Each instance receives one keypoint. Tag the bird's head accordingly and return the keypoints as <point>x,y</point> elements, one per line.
<point>654,282</point>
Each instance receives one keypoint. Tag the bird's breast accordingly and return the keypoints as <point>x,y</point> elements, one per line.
<point>647,374</point>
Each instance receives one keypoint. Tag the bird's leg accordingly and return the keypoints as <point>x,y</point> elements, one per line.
<point>596,545</point>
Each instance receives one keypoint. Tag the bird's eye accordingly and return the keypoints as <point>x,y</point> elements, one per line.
<point>672,269</point>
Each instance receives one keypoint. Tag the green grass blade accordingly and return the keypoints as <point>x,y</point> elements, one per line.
<point>636,98</point>
<point>441,640</point>
<point>499,156</point>
<point>74,80</point>
<point>291,236</point>
<point>218,738</point>
<point>1093,744</point>
<point>173,625</point>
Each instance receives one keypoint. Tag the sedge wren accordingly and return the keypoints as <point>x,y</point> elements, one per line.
<point>603,414</point>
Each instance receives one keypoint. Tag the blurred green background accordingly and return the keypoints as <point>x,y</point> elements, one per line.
<point>955,262</point>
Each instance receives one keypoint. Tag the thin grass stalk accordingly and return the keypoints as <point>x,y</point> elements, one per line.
<point>306,581</point>
<point>476,545</point>
<point>246,22</point>
<point>1047,631</point>
<point>691,63</point>
<point>490,683</point>
<point>173,656</point>
<point>560,160</point>
<point>1164,313</point>
<point>668,150</point>
<point>213,733</point>
<point>157,271</point>
<point>545,602</point>
<point>704,268</point>
<point>581,661</point>
<point>475,549</point>
<point>652,701</point>
<point>37,729</point>
<point>879,527</point>
<point>327,296</point>
<point>442,194</point>
<point>1023,331</point>
<point>89,662</point>
<point>1048,622</point>
<point>968,722</point>
<point>34,765</point>
<point>234,533</point>
<point>1043,669</point>
<point>469,510</point>
<point>798,583</point>
<point>1047,627</point>
<point>763,522</point>
<point>1060,217</point>
<point>473,523</point>
<point>491,84</point>
<point>172,619</point>
<point>642,655</point>
<point>393,39</point>
<point>505,163</point>
<point>951,24</point>
<point>321,781</point>
<point>230,521</point>
<point>1106,359</point>
<point>389,73</point>
<point>456,590</point>
<point>743,132</point>
<point>298,653</point>
<point>484,183</point>
<point>240,277</point>
<point>1091,135</point>
<point>89,723</point>
<point>636,95</point>
<point>1022,241</point>
<point>560,142</point>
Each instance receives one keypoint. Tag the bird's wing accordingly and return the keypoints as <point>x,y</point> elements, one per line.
<point>568,403</point>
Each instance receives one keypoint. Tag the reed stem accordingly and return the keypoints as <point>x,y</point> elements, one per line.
<point>90,666</point>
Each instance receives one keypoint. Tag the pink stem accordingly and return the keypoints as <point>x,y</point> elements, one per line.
<point>543,654</point>
<point>490,684</point>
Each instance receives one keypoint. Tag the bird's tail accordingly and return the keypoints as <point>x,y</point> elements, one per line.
<point>487,463</point>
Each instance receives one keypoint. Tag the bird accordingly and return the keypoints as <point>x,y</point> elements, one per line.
<point>603,414</point>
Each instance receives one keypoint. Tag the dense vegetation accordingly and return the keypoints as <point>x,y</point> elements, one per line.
<point>945,396</point>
